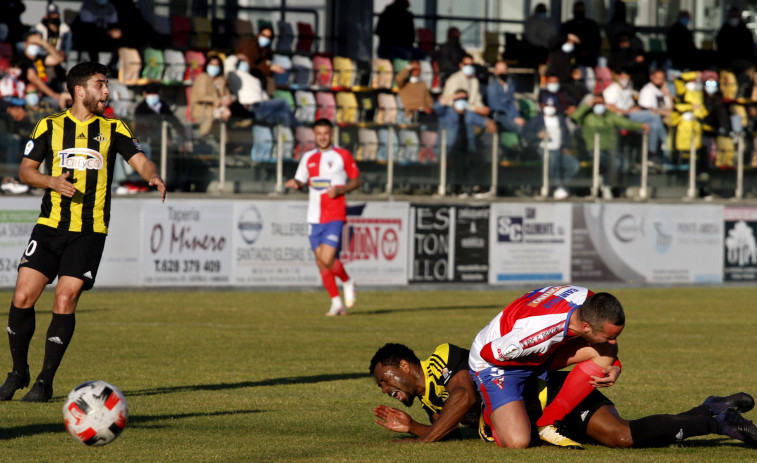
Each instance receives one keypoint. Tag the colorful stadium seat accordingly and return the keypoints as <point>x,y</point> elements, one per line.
<point>305,140</point>
<point>367,145</point>
<point>383,74</point>
<point>287,96</point>
<point>195,63</point>
<point>344,73</point>
<point>305,38</point>
<point>426,40</point>
<point>302,72</point>
<point>348,138</point>
<point>130,63</point>
<point>154,65</point>
<point>176,66</point>
<point>285,37</point>
<point>387,105</point>
<point>201,32</point>
<point>282,80</point>
<point>383,144</point>
<point>262,144</point>
<point>323,70</point>
<point>181,31</point>
<point>306,106</point>
<point>409,146</point>
<point>287,142</point>
<point>326,106</point>
<point>368,102</point>
<point>347,108</point>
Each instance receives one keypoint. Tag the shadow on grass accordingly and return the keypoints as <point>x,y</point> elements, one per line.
<point>246,384</point>
<point>141,421</point>
<point>426,309</point>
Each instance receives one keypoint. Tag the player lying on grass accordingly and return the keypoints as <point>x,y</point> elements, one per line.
<point>448,394</point>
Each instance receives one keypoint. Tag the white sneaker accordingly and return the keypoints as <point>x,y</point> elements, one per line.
<point>349,293</point>
<point>336,310</point>
<point>560,193</point>
<point>550,434</point>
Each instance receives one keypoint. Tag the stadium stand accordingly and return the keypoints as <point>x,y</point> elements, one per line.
<point>175,67</point>
<point>285,37</point>
<point>154,65</point>
<point>305,38</point>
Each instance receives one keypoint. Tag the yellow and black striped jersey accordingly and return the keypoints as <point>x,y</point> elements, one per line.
<point>446,361</point>
<point>88,151</point>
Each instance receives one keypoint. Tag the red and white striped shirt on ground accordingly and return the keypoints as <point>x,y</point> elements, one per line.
<point>321,170</point>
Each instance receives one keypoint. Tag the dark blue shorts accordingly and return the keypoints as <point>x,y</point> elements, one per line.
<point>329,233</point>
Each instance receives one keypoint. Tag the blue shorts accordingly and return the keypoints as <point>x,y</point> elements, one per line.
<point>329,233</point>
<point>501,385</point>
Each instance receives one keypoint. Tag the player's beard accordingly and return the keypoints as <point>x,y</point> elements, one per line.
<point>92,104</point>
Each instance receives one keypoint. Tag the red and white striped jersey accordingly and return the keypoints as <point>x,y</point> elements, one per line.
<point>321,170</point>
<point>529,330</point>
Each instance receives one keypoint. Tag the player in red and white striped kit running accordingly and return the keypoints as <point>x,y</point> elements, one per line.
<point>330,172</point>
<point>542,331</point>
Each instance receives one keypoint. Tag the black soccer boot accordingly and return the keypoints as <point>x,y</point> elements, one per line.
<point>741,401</point>
<point>14,382</point>
<point>734,425</point>
<point>42,391</point>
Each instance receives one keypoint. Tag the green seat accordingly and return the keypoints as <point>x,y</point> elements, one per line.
<point>154,64</point>
<point>285,95</point>
<point>508,139</point>
<point>527,108</point>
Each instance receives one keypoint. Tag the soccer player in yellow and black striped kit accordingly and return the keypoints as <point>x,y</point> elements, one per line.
<point>78,147</point>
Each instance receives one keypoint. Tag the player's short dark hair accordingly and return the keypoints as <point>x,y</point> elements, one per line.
<point>600,308</point>
<point>81,73</point>
<point>391,354</point>
<point>461,90</point>
<point>323,122</point>
<point>270,28</point>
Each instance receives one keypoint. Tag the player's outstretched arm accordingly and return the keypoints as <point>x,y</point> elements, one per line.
<point>29,174</point>
<point>462,396</point>
<point>294,183</point>
<point>398,421</point>
<point>148,171</point>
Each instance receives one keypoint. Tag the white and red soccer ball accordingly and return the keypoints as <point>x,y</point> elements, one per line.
<point>95,413</point>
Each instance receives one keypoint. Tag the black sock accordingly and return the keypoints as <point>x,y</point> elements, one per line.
<point>59,334</point>
<point>701,410</point>
<point>21,324</point>
<point>662,430</point>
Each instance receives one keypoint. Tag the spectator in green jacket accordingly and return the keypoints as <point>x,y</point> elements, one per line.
<point>593,117</point>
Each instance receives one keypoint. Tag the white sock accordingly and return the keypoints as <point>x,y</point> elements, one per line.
<point>336,302</point>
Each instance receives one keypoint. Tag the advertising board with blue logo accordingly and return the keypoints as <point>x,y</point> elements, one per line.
<point>529,243</point>
<point>271,245</point>
<point>647,243</point>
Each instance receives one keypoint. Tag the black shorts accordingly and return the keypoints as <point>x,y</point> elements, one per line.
<point>56,252</point>
<point>574,424</point>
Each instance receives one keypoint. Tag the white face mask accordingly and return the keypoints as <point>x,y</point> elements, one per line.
<point>599,109</point>
<point>624,83</point>
<point>243,66</point>
<point>688,116</point>
<point>711,90</point>
<point>461,104</point>
<point>553,87</point>
<point>568,47</point>
<point>549,111</point>
<point>214,70</point>
<point>468,70</point>
<point>693,86</point>
<point>33,50</point>
<point>414,79</point>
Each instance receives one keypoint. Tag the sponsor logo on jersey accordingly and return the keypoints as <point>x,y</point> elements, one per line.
<point>80,159</point>
<point>499,382</point>
<point>319,183</point>
<point>137,145</point>
<point>508,352</point>
<point>100,137</point>
<point>546,295</point>
<point>543,335</point>
<point>81,136</point>
<point>29,147</point>
<point>88,274</point>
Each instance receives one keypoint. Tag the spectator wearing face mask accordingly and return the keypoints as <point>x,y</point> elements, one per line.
<point>553,90</point>
<point>631,59</point>
<point>148,120</point>
<point>500,95</point>
<point>465,79</point>
<point>562,58</point>
<point>539,32</point>
<point>593,117</point>
<point>587,31</point>
<point>210,97</point>
<point>415,95</point>
<point>680,45</point>
<point>97,29</point>
<point>734,40</point>
<point>449,54</point>
<point>33,67</point>
<point>461,123</point>
<point>656,98</point>
<point>619,98</point>
<point>549,130</point>
<point>252,100</point>
<point>259,53</point>
<point>12,86</point>
<point>58,35</point>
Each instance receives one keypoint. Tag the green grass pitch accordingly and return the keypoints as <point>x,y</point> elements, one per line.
<point>255,376</point>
